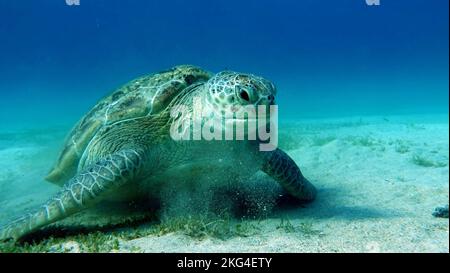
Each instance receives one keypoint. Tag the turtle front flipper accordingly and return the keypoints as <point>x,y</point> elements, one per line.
<point>283,169</point>
<point>82,191</point>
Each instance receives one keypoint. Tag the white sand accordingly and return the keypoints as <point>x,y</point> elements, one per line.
<point>374,196</point>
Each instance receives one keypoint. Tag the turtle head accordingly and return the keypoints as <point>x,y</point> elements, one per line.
<point>228,91</point>
<point>232,104</point>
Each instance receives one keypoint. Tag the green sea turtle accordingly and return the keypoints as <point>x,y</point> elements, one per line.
<point>123,148</point>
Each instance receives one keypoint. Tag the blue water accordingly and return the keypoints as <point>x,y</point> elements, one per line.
<point>363,103</point>
<point>328,58</point>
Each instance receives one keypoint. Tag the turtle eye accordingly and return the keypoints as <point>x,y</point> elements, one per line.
<point>244,95</point>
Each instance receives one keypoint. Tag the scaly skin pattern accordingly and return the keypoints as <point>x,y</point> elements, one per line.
<point>283,169</point>
<point>84,190</point>
<point>225,85</point>
<point>131,152</point>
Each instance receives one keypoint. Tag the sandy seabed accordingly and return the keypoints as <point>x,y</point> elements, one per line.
<point>378,179</point>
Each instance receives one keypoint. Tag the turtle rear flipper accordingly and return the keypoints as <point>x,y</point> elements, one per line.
<point>79,193</point>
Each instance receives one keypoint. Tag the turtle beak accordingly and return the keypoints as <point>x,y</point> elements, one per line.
<point>266,100</point>
<point>270,99</point>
